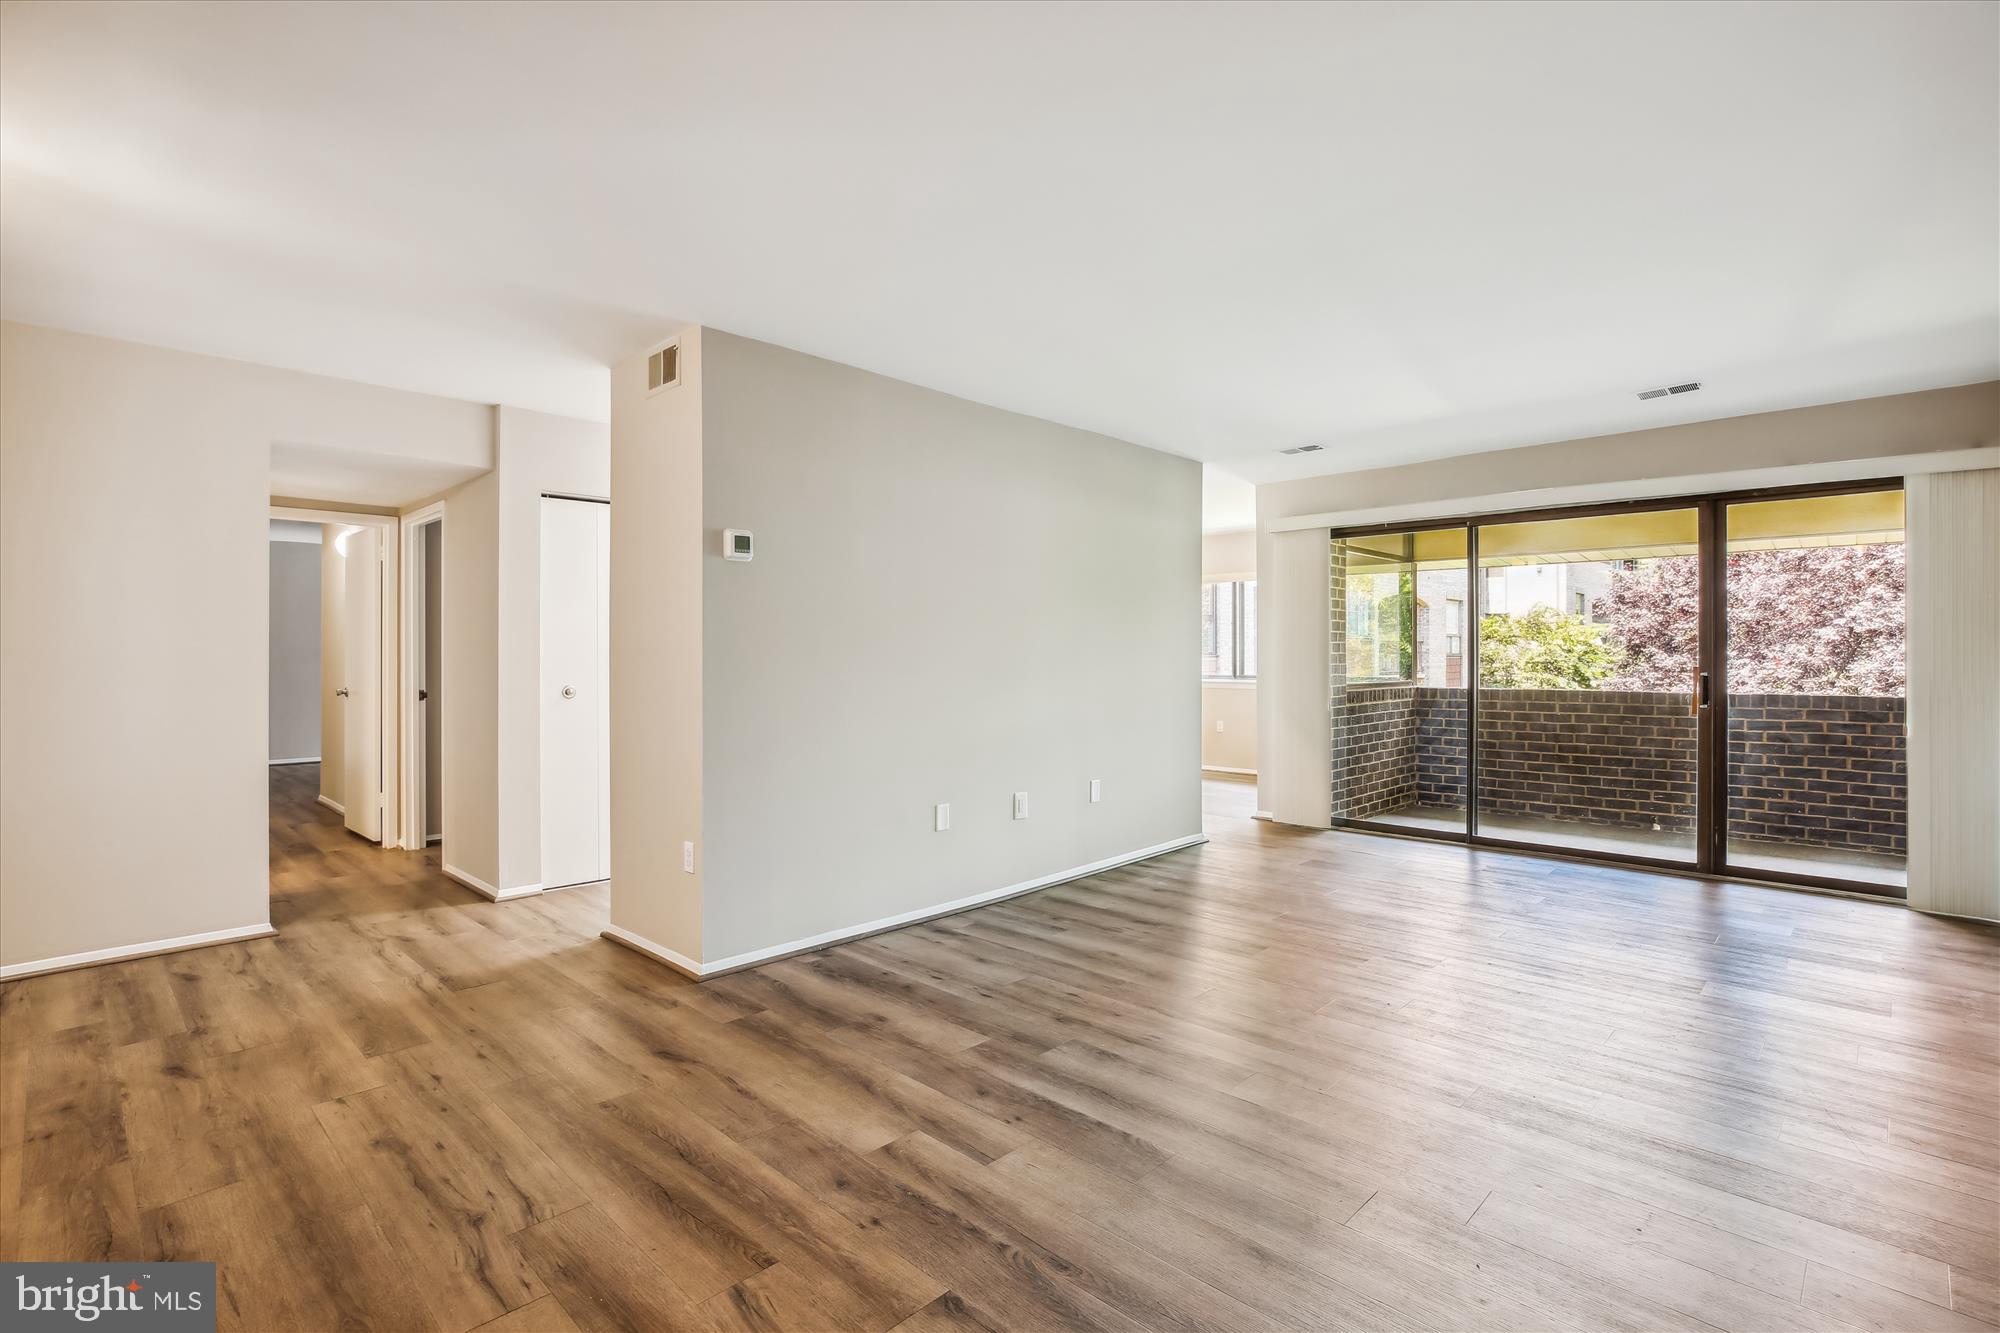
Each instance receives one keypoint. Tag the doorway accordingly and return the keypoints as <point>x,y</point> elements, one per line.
<point>1713,683</point>
<point>423,675</point>
<point>333,664</point>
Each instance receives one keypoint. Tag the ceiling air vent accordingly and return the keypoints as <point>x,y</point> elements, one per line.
<point>1303,449</point>
<point>663,368</point>
<point>1689,387</point>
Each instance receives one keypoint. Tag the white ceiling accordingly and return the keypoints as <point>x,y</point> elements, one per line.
<point>1400,231</point>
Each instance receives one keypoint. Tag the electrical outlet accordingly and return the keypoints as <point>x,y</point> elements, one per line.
<point>1020,805</point>
<point>1218,724</point>
<point>687,857</point>
<point>1096,790</point>
<point>943,817</point>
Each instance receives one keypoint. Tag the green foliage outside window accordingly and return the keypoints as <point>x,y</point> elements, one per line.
<point>1543,650</point>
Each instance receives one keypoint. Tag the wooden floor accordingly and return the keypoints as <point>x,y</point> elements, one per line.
<point>1285,1080</point>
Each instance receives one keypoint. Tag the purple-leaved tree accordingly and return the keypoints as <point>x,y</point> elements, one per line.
<point>1811,620</point>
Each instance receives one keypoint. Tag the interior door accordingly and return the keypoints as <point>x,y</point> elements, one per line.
<point>362,651</point>
<point>575,692</point>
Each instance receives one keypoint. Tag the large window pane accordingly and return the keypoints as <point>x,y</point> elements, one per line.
<point>1816,749</point>
<point>1398,622</point>
<point>1588,638</point>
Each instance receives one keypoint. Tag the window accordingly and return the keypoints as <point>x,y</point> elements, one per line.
<point>1229,630</point>
<point>1454,628</point>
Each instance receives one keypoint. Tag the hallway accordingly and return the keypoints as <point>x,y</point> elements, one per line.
<point>1287,1079</point>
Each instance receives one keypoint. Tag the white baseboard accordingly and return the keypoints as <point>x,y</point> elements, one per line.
<point>680,962</point>
<point>485,890</point>
<point>659,953</point>
<point>302,759</point>
<point>125,952</point>
<point>1264,815</point>
<point>1218,768</point>
<point>433,839</point>
<point>332,804</point>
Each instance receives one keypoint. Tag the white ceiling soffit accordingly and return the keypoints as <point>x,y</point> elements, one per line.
<point>1397,231</point>
<point>347,476</point>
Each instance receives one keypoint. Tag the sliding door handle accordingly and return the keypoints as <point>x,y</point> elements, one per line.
<point>1700,698</point>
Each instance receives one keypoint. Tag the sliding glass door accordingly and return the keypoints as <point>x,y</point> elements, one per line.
<point>1588,719</point>
<point>1712,683</point>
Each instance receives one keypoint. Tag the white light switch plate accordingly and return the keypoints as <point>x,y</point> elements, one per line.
<point>943,817</point>
<point>1096,790</point>
<point>1020,805</point>
<point>687,857</point>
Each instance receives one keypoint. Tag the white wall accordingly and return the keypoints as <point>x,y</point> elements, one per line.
<point>94,432</point>
<point>294,705</point>
<point>1954,693</point>
<point>1886,436</point>
<point>949,603</point>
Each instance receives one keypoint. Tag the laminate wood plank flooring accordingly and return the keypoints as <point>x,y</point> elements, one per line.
<point>1285,1080</point>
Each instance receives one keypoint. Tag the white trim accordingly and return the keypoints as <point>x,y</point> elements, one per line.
<point>433,839</point>
<point>410,746</point>
<point>333,805</point>
<point>1652,488</point>
<point>302,759</point>
<point>1231,682</point>
<point>1264,815</point>
<point>736,962</point>
<point>1218,768</point>
<point>128,951</point>
<point>485,890</point>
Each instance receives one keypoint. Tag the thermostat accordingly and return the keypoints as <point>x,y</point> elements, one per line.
<point>735,545</point>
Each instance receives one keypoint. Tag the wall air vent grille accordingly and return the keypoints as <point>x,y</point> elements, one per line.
<point>1303,449</point>
<point>1689,387</point>
<point>663,368</point>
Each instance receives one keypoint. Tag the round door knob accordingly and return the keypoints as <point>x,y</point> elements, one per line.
<point>569,691</point>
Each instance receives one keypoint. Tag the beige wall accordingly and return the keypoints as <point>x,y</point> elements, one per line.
<point>657,548</point>
<point>471,629</point>
<point>1228,555</point>
<point>150,470</point>
<point>1882,436</point>
<point>949,603</point>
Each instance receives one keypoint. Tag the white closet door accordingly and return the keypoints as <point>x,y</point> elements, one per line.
<point>362,721</point>
<point>575,690</point>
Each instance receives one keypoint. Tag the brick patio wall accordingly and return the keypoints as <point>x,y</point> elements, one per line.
<point>1823,770</point>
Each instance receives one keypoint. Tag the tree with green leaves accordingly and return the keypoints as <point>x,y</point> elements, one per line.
<point>1543,650</point>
